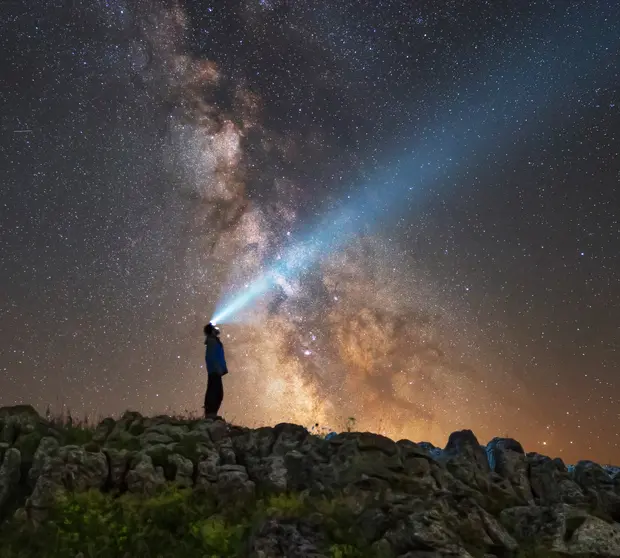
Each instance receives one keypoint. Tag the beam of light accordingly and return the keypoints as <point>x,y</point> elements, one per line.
<point>511,102</point>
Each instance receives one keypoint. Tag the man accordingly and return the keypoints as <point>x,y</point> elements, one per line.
<point>216,368</point>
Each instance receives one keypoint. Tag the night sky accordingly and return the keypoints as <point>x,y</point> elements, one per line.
<point>156,157</point>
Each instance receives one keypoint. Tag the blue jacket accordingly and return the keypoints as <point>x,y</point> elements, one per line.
<point>214,356</point>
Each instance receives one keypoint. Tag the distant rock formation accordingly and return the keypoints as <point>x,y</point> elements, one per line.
<point>412,500</point>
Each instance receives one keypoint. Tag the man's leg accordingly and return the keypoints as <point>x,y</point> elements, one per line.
<point>209,397</point>
<point>218,394</point>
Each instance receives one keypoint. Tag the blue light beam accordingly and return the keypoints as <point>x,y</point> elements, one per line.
<point>512,102</point>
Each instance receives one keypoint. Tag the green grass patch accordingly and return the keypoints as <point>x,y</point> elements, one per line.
<point>175,523</point>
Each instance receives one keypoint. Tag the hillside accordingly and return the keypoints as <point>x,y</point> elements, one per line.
<point>160,486</point>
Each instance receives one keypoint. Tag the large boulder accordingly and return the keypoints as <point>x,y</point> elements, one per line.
<point>208,469</point>
<point>563,529</point>
<point>103,430</point>
<point>368,459</point>
<point>124,431</point>
<point>287,437</point>
<point>66,468</point>
<point>17,419</point>
<point>423,531</point>
<point>161,433</point>
<point>599,489</point>
<point>10,474</point>
<point>119,462</point>
<point>183,470</point>
<point>286,539</point>
<point>233,485</point>
<point>466,460</point>
<point>507,458</point>
<point>545,474</point>
<point>253,444</point>
<point>590,475</point>
<point>48,448</point>
<point>143,477</point>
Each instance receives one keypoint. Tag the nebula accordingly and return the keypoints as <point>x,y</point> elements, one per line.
<point>353,337</point>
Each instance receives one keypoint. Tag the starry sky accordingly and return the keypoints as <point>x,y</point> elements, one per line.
<point>156,156</point>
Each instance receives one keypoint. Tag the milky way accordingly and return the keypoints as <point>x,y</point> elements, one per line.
<point>157,163</point>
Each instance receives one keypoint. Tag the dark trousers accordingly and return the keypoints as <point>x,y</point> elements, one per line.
<point>214,395</point>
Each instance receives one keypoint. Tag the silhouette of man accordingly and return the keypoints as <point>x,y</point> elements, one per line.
<point>216,368</point>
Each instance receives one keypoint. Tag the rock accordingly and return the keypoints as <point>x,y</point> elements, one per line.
<point>154,438</point>
<point>184,470</point>
<point>118,462</point>
<point>277,539</point>
<point>122,439</point>
<point>253,444</point>
<point>227,453</point>
<point>373,522</point>
<point>544,476</point>
<point>433,451</point>
<point>552,482</point>
<point>18,419</point>
<point>570,493</point>
<point>422,531</point>
<point>598,488</point>
<point>594,537</point>
<point>27,444</point>
<point>501,444</point>
<point>103,430</point>
<point>10,474</point>
<point>208,469</point>
<point>612,471</point>
<point>588,474</point>
<point>198,436</point>
<point>9,431</point>
<point>233,484</point>
<point>465,444</point>
<point>217,429</point>
<point>466,461</point>
<point>423,554</point>
<point>417,462</point>
<point>270,473</point>
<point>563,529</point>
<point>143,477</point>
<point>130,425</point>
<point>174,432</point>
<point>67,468</point>
<point>409,450</point>
<point>299,470</point>
<point>287,438</point>
<point>367,441</point>
<point>350,465</point>
<point>48,448</point>
<point>18,410</point>
<point>382,548</point>
<point>82,470</point>
<point>507,458</point>
<point>501,540</point>
<point>401,499</point>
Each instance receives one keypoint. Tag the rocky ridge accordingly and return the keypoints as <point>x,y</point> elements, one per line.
<point>409,500</point>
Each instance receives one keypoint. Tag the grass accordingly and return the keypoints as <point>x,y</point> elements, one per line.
<point>174,523</point>
<point>73,431</point>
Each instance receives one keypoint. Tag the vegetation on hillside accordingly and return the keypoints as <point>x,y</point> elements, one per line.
<point>174,523</point>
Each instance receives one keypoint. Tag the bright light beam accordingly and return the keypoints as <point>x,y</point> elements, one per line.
<point>511,102</point>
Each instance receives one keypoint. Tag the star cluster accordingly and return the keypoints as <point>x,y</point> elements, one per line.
<point>157,156</point>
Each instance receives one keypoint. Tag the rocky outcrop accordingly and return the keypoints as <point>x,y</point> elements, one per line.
<point>404,499</point>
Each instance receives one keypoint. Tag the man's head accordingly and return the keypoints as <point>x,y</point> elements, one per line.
<point>210,329</point>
